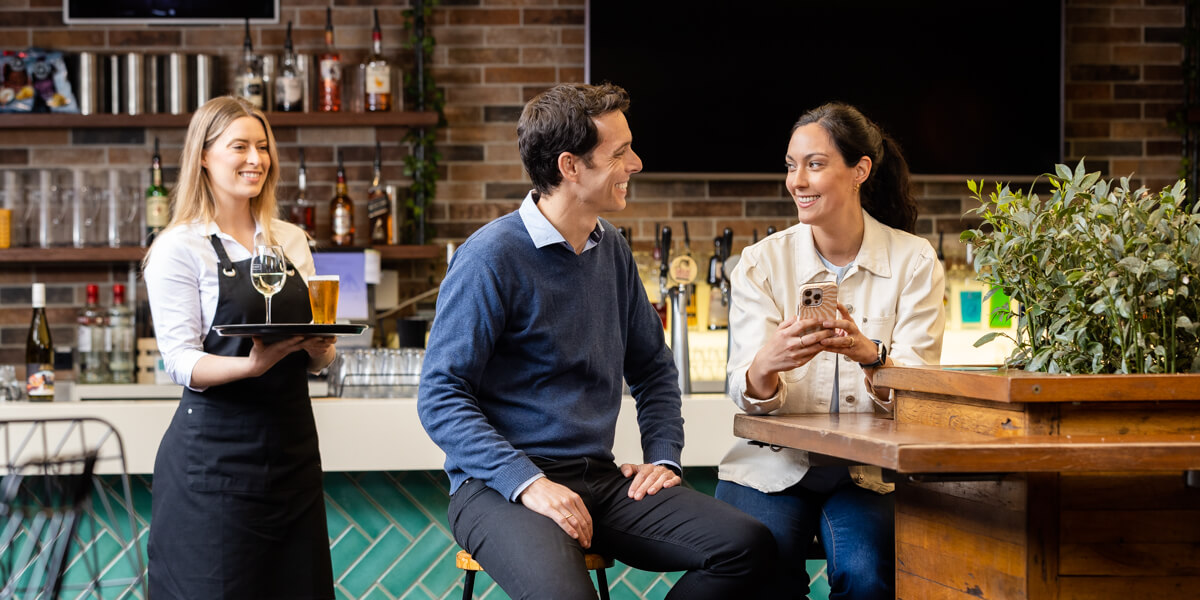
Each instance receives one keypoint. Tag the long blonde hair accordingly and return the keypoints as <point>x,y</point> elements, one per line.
<point>192,199</point>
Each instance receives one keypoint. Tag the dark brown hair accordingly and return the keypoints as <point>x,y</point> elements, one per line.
<point>559,120</point>
<point>885,194</point>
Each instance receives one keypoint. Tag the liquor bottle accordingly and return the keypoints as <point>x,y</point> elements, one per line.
<point>289,87</point>
<point>330,97</point>
<point>120,338</point>
<point>341,210</point>
<point>249,81</point>
<point>91,364</point>
<point>156,199</point>
<point>378,209</point>
<point>39,351</point>
<point>377,80</point>
<point>303,212</point>
<point>970,295</point>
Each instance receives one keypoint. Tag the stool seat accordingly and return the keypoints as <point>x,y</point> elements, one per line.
<point>594,562</point>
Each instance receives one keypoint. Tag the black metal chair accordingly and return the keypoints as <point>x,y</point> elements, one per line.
<point>54,509</point>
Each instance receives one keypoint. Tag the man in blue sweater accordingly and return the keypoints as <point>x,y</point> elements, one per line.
<point>539,318</point>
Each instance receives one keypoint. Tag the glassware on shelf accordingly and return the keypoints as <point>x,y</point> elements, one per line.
<point>376,373</point>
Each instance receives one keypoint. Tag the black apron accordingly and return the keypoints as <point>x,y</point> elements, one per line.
<point>237,507</point>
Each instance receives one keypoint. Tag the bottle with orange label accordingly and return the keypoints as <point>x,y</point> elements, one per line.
<point>330,97</point>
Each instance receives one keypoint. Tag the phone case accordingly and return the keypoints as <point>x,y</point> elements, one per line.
<point>817,301</point>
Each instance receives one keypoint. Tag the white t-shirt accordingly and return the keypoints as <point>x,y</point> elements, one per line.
<point>181,281</point>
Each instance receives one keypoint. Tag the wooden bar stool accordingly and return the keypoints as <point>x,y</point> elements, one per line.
<point>594,562</point>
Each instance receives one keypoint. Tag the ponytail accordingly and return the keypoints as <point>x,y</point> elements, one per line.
<point>886,194</point>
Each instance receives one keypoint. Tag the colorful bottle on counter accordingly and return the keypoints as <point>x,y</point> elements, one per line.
<point>91,360</point>
<point>330,97</point>
<point>341,210</point>
<point>39,351</point>
<point>120,338</point>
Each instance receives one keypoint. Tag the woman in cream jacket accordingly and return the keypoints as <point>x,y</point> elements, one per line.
<point>850,185</point>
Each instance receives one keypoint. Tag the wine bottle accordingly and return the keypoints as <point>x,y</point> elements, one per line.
<point>303,213</point>
<point>341,210</point>
<point>289,87</point>
<point>330,97</point>
<point>91,360</point>
<point>39,351</point>
<point>249,81</point>
<point>378,211</point>
<point>157,209</point>
<point>120,338</point>
<point>377,80</point>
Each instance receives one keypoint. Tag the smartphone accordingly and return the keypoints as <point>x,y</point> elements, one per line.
<point>818,301</point>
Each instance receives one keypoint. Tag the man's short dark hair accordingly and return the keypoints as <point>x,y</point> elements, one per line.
<point>559,120</point>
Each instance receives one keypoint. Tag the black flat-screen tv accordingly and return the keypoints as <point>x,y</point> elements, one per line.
<point>169,12</point>
<point>967,88</point>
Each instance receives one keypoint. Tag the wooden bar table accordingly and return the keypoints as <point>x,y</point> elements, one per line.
<point>1027,485</point>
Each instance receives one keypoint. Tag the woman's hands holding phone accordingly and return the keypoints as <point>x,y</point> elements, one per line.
<point>793,343</point>
<point>848,340</point>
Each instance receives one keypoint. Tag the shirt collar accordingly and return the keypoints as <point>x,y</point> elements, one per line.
<point>542,231</point>
<point>872,254</point>
<point>211,227</point>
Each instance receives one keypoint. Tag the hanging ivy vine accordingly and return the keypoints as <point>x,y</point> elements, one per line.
<point>419,86</point>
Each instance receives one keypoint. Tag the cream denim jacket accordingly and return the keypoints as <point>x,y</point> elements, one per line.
<point>894,294</point>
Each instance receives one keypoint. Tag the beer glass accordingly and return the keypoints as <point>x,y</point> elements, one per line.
<point>323,297</point>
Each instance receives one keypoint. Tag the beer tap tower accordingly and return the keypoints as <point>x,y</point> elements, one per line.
<point>674,277</point>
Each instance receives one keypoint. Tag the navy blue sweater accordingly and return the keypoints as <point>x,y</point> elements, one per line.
<point>527,352</point>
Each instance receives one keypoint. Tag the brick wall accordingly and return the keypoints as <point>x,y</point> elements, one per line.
<point>1123,78</point>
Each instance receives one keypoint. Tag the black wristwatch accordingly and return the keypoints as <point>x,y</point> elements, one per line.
<point>881,356</point>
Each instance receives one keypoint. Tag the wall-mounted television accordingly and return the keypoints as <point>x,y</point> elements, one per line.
<point>169,12</point>
<point>968,88</point>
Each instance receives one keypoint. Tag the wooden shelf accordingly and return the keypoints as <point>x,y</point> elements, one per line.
<point>276,119</point>
<point>100,255</point>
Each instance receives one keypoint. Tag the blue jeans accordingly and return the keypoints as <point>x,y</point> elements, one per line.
<point>855,526</point>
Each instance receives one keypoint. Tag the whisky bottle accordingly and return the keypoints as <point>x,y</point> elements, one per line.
<point>157,208</point>
<point>249,82</point>
<point>377,74</point>
<point>341,210</point>
<point>303,213</point>
<point>289,87</point>
<point>378,209</point>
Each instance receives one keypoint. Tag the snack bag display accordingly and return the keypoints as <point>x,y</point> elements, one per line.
<point>48,74</point>
<point>16,91</point>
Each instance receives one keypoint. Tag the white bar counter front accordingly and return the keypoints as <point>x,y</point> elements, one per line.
<point>365,434</point>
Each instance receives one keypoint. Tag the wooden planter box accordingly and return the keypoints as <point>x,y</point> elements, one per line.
<point>1026,485</point>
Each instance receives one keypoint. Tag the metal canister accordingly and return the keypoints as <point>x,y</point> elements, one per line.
<point>154,83</point>
<point>206,78</point>
<point>135,95</point>
<point>176,83</point>
<point>88,91</point>
<point>112,84</point>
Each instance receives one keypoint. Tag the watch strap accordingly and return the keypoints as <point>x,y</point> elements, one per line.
<point>881,356</point>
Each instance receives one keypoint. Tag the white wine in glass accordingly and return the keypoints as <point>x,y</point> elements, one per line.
<point>267,272</point>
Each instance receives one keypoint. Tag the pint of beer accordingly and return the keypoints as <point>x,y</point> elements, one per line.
<point>323,297</point>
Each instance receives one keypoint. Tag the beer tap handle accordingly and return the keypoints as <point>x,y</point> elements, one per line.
<point>666,252</point>
<point>726,244</point>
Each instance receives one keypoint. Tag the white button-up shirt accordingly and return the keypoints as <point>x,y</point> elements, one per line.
<point>894,293</point>
<point>182,283</point>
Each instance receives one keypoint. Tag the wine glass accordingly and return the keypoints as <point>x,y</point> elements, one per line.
<point>267,272</point>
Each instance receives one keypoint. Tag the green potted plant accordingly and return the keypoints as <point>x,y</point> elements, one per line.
<point>1107,278</point>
